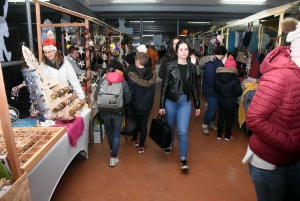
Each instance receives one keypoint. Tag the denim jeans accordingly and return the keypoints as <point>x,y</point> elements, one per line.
<point>210,114</point>
<point>141,121</point>
<point>179,113</point>
<point>113,125</point>
<point>281,184</point>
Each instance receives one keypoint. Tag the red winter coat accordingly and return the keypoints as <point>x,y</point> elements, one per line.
<point>274,112</point>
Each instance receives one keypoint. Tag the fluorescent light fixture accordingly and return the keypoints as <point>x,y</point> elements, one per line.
<point>16,1</point>
<point>250,2</point>
<point>143,21</point>
<point>182,35</point>
<point>199,22</point>
<point>148,35</point>
<point>135,1</point>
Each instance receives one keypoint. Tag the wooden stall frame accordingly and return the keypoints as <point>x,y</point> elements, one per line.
<point>86,19</point>
<point>8,132</point>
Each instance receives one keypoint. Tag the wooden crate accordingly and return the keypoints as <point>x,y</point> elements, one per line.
<point>18,191</point>
<point>33,143</point>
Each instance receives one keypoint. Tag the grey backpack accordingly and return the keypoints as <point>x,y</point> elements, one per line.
<point>110,97</point>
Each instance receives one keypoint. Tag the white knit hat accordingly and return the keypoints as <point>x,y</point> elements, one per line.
<point>142,48</point>
<point>294,38</point>
<point>292,27</point>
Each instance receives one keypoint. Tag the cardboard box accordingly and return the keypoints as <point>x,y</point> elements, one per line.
<point>97,135</point>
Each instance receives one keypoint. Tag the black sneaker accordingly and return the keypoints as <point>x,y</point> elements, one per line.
<point>169,149</point>
<point>184,165</point>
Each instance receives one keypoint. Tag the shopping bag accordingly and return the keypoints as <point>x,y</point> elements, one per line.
<point>160,132</point>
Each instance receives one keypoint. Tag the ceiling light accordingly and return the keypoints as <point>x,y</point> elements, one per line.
<point>140,21</point>
<point>253,2</point>
<point>182,35</point>
<point>15,1</point>
<point>148,35</point>
<point>199,22</point>
<point>135,1</point>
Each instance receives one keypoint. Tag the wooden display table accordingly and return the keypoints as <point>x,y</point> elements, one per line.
<point>44,177</point>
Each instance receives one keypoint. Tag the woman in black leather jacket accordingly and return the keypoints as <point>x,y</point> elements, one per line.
<point>179,83</point>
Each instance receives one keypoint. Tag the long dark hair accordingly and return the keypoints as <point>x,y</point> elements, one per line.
<point>171,52</point>
<point>179,43</point>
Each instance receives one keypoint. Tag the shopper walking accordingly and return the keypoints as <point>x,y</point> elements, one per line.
<point>113,120</point>
<point>141,82</point>
<point>179,84</point>
<point>274,118</point>
<point>161,52</point>
<point>208,89</point>
<point>228,88</point>
<point>170,56</point>
<point>152,54</point>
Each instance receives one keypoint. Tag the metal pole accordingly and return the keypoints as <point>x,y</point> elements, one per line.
<point>177,27</point>
<point>141,30</point>
<point>29,25</point>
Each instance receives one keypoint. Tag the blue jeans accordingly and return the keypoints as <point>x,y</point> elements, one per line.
<point>281,184</point>
<point>179,113</point>
<point>210,114</point>
<point>113,125</point>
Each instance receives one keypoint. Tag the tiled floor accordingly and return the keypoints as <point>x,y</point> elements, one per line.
<point>216,171</point>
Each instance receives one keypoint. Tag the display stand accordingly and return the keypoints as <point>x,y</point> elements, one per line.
<point>44,177</point>
<point>86,24</point>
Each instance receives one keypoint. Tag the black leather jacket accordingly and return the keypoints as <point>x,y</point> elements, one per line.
<point>172,85</point>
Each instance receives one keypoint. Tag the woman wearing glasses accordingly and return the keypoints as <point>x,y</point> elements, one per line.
<point>54,66</point>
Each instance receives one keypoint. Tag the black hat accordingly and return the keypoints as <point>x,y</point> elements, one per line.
<point>129,58</point>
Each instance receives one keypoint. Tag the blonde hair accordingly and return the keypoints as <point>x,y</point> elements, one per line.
<point>142,58</point>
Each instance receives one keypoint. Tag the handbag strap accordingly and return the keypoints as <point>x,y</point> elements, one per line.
<point>161,118</point>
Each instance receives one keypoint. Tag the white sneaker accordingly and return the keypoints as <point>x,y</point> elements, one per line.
<point>113,161</point>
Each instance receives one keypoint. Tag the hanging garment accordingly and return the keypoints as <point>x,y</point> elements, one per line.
<point>247,39</point>
<point>241,57</point>
<point>253,45</point>
<point>253,72</point>
<point>236,42</point>
<point>231,41</point>
<point>240,46</point>
<point>265,40</point>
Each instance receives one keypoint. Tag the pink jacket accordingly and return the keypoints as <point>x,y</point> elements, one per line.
<point>274,112</point>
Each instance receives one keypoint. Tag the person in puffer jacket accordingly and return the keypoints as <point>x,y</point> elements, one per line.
<point>273,116</point>
<point>208,89</point>
<point>113,121</point>
<point>141,82</point>
<point>228,88</point>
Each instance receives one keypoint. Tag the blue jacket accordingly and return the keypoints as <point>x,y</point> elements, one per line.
<point>142,87</point>
<point>209,77</point>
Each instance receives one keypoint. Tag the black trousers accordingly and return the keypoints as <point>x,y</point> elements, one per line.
<point>141,121</point>
<point>226,115</point>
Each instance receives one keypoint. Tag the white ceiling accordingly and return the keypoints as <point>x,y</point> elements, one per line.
<point>271,3</point>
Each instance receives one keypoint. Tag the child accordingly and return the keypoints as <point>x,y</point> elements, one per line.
<point>113,120</point>
<point>141,82</point>
<point>228,88</point>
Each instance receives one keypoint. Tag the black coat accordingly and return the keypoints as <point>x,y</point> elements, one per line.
<point>172,85</point>
<point>141,82</point>
<point>227,87</point>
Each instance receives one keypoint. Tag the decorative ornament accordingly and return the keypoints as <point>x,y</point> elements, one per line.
<point>91,43</point>
<point>73,36</point>
<point>81,50</point>
<point>67,37</point>
<point>50,34</point>
<point>81,63</point>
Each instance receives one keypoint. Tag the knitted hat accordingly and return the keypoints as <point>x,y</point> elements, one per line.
<point>49,43</point>
<point>129,58</point>
<point>292,27</point>
<point>142,48</point>
<point>230,62</point>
